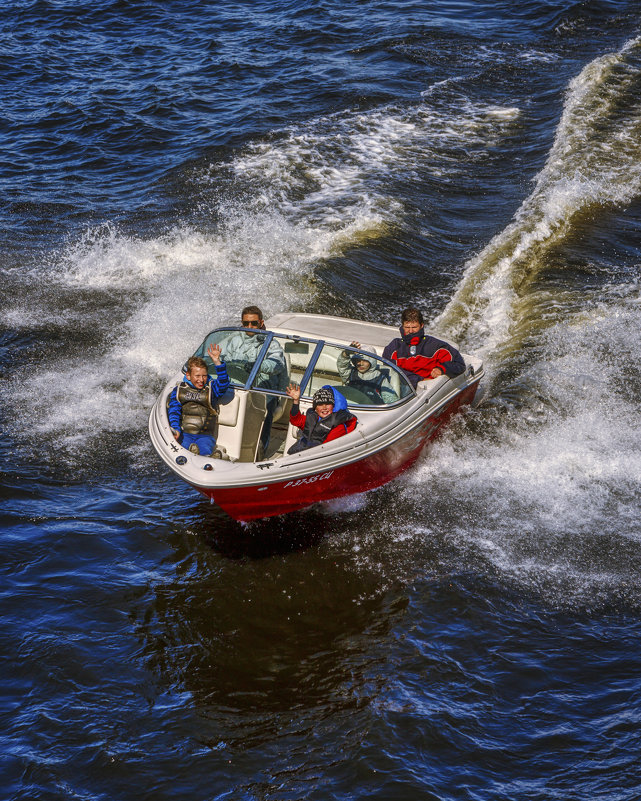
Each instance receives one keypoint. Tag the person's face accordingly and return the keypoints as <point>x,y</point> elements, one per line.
<point>323,410</point>
<point>251,321</point>
<point>197,376</point>
<point>362,365</point>
<point>411,327</point>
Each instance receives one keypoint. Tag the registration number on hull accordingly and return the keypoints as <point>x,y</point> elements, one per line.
<point>309,479</point>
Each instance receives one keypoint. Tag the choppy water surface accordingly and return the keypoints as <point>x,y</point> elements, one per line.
<point>469,631</point>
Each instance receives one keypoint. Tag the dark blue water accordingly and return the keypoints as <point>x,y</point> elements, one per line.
<point>467,632</point>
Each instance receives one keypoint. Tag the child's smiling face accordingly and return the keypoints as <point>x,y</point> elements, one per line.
<point>323,410</point>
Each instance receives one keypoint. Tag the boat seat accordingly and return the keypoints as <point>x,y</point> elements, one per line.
<point>240,422</point>
<point>228,407</point>
<point>282,410</point>
<point>255,413</point>
<point>284,402</point>
<point>293,432</point>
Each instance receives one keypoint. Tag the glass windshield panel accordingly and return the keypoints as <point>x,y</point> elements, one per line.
<point>285,362</point>
<point>361,377</point>
<point>239,349</point>
<point>274,371</point>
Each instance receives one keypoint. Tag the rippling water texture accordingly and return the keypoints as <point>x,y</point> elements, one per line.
<point>467,632</point>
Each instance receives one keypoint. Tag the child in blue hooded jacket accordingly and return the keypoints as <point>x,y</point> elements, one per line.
<point>327,420</point>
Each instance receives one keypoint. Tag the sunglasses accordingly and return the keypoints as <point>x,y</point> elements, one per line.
<point>251,323</point>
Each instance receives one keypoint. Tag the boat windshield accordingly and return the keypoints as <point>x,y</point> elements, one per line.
<point>363,378</point>
<point>269,362</point>
<point>243,350</point>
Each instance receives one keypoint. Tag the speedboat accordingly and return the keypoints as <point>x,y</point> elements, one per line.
<point>256,476</point>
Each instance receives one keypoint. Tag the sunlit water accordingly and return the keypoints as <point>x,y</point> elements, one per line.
<point>468,631</point>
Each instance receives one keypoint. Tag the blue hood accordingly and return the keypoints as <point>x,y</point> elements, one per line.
<point>339,400</point>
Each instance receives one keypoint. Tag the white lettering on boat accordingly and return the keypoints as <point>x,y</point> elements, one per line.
<point>309,479</point>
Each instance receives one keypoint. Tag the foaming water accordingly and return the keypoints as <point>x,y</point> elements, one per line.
<point>539,483</point>
<point>545,476</point>
<point>338,166</point>
<point>309,194</point>
<point>594,163</point>
<point>538,487</point>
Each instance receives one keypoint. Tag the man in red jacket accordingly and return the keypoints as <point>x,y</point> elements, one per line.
<point>420,355</point>
<point>327,420</point>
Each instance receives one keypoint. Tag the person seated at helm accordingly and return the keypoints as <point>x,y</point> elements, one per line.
<point>242,349</point>
<point>361,371</point>
<point>192,411</point>
<point>327,420</point>
<point>420,355</point>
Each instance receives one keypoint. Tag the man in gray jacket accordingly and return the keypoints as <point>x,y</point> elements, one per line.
<point>242,349</point>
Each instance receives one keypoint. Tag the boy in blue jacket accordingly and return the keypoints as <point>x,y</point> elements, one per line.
<point>192,410</point>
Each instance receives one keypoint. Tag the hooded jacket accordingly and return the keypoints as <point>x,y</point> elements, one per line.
<point>418,354</point>
<point>194,410</point>
<point>374,382</point>
<point>316,431</point>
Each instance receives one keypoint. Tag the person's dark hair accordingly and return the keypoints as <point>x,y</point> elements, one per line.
<point>412,315</point>
<point>196,361</point>
<point>251,310</point>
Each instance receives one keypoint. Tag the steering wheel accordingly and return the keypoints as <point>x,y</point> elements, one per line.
<point>237,372</point>
<point>357,396</point>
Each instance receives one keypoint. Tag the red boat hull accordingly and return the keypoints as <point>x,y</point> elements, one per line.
<point>374,470</point>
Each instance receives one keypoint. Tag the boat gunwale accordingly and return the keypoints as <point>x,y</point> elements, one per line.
<point>249,470</point>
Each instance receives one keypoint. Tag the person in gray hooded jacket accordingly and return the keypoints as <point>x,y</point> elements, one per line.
<point>361,371</point>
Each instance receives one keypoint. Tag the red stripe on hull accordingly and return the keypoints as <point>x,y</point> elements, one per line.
<point>251,503</point>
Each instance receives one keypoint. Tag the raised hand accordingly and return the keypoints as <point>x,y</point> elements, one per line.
<point>213,351</point>
<point>293,390</point>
